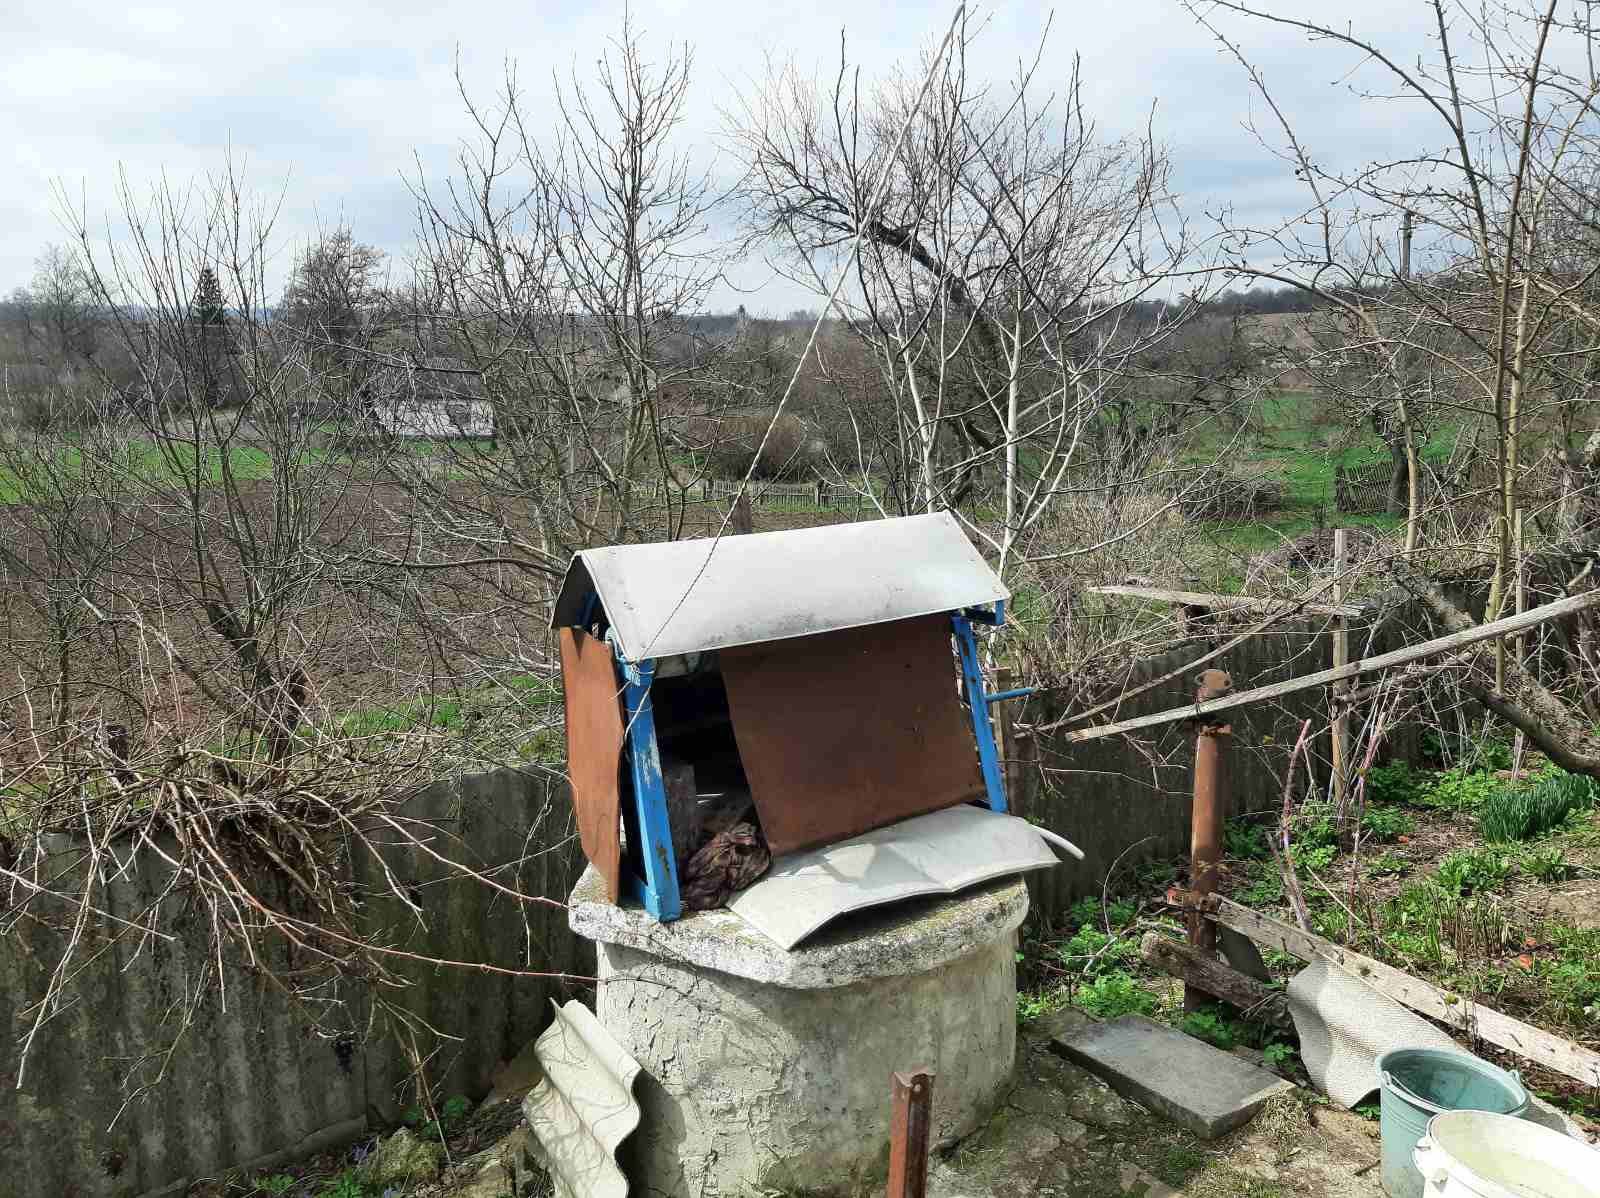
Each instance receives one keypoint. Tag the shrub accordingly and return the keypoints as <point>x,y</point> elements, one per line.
<point>1114,994</point>
<point>1510,815</point>
<point>1471,871</point>
<point>729,442</point>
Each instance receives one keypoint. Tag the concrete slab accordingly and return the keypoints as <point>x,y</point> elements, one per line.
<point>904,940</point>
<point>1200,1088</point>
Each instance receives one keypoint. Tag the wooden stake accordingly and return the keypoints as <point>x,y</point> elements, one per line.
<point>1521,643</point>
<point>1005,679</point>
<point>1341,658</point>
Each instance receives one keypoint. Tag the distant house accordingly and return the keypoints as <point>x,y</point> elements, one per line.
<point>435,399</point>
<point>440,420</point>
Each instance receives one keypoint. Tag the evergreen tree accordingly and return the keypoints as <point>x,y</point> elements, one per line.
<point>207,307</point>
<point>208,311</point>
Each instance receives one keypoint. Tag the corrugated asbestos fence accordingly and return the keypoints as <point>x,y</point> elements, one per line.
<point>109,1106</point>
<point>1126,801</point>
<point>250,1081</point>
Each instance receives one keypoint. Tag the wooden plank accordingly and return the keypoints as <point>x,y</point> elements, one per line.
<point>1370,665</point>
<point>1205,972</point>
<point>1212,602</point>
<point>1531,1043</point>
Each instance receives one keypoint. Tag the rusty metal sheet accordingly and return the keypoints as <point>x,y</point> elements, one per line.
<point>680,597</point>
<point>594,750</point>
<point>848,731</point>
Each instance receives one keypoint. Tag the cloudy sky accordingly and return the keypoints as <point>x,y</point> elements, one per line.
<point>335,103</point>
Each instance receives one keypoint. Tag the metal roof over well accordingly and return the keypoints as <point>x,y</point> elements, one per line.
<point>677,597</point>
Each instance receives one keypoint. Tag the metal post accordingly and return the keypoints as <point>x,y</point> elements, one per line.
<point>1210,808</point>
<point>910,1116</point>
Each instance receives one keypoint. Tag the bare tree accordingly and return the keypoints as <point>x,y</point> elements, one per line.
<point>202,574</point>
<point>1007,259</point>
<point>1492,309</point>
<point>559,266</point>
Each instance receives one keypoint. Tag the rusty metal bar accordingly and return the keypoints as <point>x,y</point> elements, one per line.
<point>910,1118</point>
<point>1211,744</point>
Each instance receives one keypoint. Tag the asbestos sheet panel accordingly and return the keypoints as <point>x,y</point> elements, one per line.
<point>594,750</point>
<point>852,730</point>
<point>940,853</point>
<point>687,596</point>
<point>584,1106</point>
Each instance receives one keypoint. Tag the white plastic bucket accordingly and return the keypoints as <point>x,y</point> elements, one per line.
<point>1475,1154</point>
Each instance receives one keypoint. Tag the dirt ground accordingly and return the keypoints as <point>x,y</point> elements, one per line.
<point>1062,1133</point>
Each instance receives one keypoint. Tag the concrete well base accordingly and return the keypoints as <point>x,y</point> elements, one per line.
<point>770,1070</point>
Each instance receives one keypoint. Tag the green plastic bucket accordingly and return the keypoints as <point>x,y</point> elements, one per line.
<point>1419,1083</point>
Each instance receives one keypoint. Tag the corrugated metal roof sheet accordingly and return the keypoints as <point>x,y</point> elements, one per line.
<point>688,596</point>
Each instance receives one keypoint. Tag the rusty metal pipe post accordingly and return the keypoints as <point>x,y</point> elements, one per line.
<point>1211,744</point>
<point>910,1118</point>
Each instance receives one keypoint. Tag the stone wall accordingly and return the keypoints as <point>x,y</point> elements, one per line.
<point>110,1105</point>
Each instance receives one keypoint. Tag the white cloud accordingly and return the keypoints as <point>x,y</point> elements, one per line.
<point>339,97</point>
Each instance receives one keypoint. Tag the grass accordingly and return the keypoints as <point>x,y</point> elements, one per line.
<point>516,695</point>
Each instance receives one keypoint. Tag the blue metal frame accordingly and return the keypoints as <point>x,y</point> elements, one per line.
<point>978,700</point>
<point>658,888</point>
<point>650,830</point>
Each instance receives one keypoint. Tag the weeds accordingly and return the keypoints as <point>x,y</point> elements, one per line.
<point>1114,994</point>
<point>1547,865</point>
<point>1281,1056</point>
<point>1091,952</point>
<point>346,1185</point>
<point>1395,783</point>
<point>1118,913</point>
<point>1386,824</point>
<point>1386,865</point>
<point>1245,840</point>
<point>1458,789</point>
<point>1212,1028</point>
<point>1471,871</point>
<point>451,1113</point>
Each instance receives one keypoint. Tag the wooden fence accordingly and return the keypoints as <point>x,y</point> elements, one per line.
<point>778,496</point>
<point>1365,489</point>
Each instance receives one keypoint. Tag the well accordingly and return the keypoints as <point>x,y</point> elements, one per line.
<point>770,1069</point>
